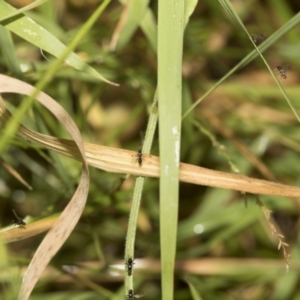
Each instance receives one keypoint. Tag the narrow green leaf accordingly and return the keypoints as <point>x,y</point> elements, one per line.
<point>190,6</point>
<point>170,43</point>
<point>43,39</point>
<point>149,27</point>
<point>135,13</point>
<point>194,292</point>
<point>22,10</point>
<point>13,123</point>
<point>137,195</point>
<point>8,50</point>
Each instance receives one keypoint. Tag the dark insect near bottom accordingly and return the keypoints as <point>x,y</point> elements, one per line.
<point>129,265</point>
<point>18,220</point>
<point>131,295</point>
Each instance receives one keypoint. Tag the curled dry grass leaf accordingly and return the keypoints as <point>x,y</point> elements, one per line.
<point>70,216</point>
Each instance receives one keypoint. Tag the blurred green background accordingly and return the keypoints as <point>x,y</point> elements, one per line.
<point>225,250</point>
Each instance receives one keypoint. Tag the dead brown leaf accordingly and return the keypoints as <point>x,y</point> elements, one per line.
<point>65,224</point>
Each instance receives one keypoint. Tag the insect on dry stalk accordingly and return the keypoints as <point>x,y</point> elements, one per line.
<point>139,154</point>
<point>18,221</point>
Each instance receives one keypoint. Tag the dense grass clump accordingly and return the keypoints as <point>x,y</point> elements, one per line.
<point>143,94</point>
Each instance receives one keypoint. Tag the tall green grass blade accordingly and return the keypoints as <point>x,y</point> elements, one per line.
<point>170,41</point>
<point>137,195</point>
<point>149,26</point>
<point>132,225</point>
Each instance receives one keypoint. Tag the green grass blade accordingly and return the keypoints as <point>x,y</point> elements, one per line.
<point>13,124</point>
<point>170,41</point>
<point>22,10</point>
<point>193,290</point>
<point>132,225</point>
<point>135,14</point>
<point>137,195</point>
<point>149,27</point>
<point>190,6</point>
<point>8,50</point>
<point>35,34</point>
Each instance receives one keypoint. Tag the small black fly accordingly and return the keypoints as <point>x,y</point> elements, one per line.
<point>258,39</point>
<point>131,295</point>
<point>129,265</point>
<point>18,221</point>
<point>282,71</point>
